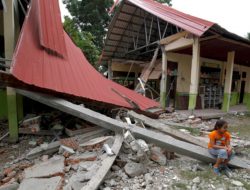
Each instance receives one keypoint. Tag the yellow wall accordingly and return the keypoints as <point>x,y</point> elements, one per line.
<point>184,69</point>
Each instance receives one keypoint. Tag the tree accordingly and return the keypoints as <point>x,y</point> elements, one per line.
<point>84,40</point>
<point>165,1</point>
<point>248,36</point>
<point>89,24</point>
<point>91,16</point>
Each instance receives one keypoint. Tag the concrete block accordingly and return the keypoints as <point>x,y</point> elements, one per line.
<point>12,186</point>
<point>53,183</point>
<point>52,167</point>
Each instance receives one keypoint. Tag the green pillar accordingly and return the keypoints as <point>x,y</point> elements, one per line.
<point>3,104</point>
<point>192,101</point>
<point>226,102</point>
<point>19,107</point>
<point>195,70</point>
<point>228,81</point>
<point>12,114</point>
<point>246,100</point>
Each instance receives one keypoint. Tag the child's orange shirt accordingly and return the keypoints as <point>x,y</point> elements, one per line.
<point>219,139</point>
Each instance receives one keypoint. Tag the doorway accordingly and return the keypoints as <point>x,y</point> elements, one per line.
<point>242,91</point>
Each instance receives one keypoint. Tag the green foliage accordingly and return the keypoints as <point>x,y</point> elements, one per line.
<point>91,16</point>
<point>84,40</point>
<point>248,35</point>
<point>88,24</point>
<point>165,1</point>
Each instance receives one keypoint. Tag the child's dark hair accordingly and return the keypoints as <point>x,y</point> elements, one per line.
<point>219,124</point>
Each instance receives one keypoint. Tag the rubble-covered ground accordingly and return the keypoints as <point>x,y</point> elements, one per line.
<point>133,169</point>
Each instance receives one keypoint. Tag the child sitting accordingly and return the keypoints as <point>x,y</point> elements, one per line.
<point>219,146</point>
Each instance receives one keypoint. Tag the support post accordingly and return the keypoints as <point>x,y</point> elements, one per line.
<point>228,82</point>
<point>246,99</point>
<point>163,88</point>
<point>9,44</point>
<point>110,73</point>
<point>195,69</point>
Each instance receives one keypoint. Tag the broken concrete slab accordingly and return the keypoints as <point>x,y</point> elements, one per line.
<point>38,151</point>
<point>53,183</point>
<point>106,165</point>
<point>89,165</point>
<point>167,129</point>
<point>159,139</point>
<point>86,156</point>
<point>52,167</point>
<point>12,186</point>
<point>54,146</point>
<point>95,141</point>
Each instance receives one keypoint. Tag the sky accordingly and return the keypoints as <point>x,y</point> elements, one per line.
<point>231,15</point>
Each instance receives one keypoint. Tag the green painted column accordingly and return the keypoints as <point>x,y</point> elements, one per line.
<point>234,99</point>
<point>228,81</point>
<point>3,104</point>
<point>19,107</point>
<point>226,102</point>
<point>246,100</point>
<point>195,70</point>
<point>12,114</point>
<point>11,29</point>
<point>192,101</point>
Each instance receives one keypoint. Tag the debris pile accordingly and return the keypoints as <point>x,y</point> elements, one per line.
<point>80,155</point>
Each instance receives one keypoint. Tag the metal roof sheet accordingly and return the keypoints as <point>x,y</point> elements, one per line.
<point>71,74</point>
<point>187,22</point>
<point>52,39</point>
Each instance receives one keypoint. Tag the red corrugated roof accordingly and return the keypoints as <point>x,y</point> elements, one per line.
<point>71,74</point>
<point>52,39</point>
<point>187,22</point>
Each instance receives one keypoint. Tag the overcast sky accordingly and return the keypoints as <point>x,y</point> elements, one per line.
<point>231,15</point>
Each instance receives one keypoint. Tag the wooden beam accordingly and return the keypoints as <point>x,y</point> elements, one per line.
<point>209,37</point>
<point>173,37</point>
<point>157,138</point>
<point>234,42</point>
<point>145,75</point>
<point>106,164</point>
<point>179,44</point>
<point>167,129</point>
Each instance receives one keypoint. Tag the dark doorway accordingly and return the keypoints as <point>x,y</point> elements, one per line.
<point>171,83</point>
<point>242,90</point>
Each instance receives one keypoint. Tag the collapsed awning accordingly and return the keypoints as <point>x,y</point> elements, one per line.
<point>46,57</point>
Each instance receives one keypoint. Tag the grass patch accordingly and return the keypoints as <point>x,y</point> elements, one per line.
<point>180,185</point>
<point>241,130</point>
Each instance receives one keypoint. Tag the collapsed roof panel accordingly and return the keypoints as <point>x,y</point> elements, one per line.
<point>71,74</point>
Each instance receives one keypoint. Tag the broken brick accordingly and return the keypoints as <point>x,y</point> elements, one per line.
<point>7,171</point>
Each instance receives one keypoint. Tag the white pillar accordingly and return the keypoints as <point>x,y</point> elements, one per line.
<point>163,87</point>
<point>110,73</point>
<point>195,70</point>
<point>228,81</point>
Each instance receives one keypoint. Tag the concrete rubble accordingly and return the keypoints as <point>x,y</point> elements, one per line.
<point>71,163</point>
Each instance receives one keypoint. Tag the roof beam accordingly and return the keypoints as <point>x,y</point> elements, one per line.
<point>173,37</point>
<point>234,42</point>
<point>139,48</point>
<point>179,44</point>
